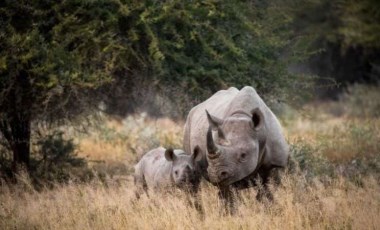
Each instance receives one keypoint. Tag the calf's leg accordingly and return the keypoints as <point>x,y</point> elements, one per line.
<point>141,185</point>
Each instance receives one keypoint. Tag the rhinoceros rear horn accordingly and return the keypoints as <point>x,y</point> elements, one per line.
<point>214,121</point>
<point>215,124</point>
<point>257,118</point>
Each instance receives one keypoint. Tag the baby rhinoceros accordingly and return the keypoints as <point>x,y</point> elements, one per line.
<point>163,168</point>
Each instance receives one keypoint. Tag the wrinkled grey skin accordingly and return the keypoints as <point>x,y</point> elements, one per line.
<point>163,168</point>
<point>239,136</point>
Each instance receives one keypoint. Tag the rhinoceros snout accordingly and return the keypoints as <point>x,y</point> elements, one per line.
<point>223,175</point>
<point>220,176</point>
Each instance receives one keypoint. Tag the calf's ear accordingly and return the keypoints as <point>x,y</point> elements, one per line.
<point>257,119</point>
<point>169,154</point>
<point>197,153</point>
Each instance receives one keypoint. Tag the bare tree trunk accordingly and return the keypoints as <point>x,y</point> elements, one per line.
<point>16,131</point>
<point>21,145</point>
<point>15,121</point>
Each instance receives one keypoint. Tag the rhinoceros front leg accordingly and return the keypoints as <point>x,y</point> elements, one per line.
<point>141,186</point>
<point>263,185</point>
<point>265,177</point>
<point>227,196</point>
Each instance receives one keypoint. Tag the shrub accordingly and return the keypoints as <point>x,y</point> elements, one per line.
<point>350,140</point>
<point>306,158</point>
<point>56,160</point>
<point>310,161</point>
<point>362,101</point>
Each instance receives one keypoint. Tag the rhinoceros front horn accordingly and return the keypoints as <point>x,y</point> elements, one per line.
<point>212,149</point>
<point>214,124</point>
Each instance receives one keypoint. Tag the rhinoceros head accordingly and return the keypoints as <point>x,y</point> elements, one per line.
<point>184,172</point>
<point>233,146</point>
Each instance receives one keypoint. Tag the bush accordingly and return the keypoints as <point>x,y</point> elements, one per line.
<point>56,160</point>
<point>306,158</point>
<point>350,140</point>
<point>360,168</point>
<point>310,161</point>
<point>362,101</point>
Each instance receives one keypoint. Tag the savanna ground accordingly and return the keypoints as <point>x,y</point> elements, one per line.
<point>332,181</point>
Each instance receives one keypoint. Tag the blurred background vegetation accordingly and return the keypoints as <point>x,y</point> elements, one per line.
<point>72,70</point>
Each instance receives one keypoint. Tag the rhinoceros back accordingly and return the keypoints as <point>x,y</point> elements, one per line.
<point>154,169</point>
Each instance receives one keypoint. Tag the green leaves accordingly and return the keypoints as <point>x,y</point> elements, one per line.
<point>360,23</point>
<point>201,46</point>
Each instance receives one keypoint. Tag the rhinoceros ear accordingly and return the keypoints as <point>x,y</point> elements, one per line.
<point>257,118</point>
<point>214,121</point>
<point>197,153</point>
<point>169,155</point>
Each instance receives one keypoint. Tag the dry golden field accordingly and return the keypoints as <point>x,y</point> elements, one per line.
<point>297,205</point>
<point>332,183</point>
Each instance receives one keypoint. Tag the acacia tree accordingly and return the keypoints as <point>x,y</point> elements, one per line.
<point>41,78</point>
<point>198,47</point>
<point>59,59</point>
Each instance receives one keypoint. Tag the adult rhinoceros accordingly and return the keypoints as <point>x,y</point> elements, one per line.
<point>240,138</point>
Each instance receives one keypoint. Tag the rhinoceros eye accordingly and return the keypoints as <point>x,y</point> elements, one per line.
<point>243,156</point>
<point>176,172</point>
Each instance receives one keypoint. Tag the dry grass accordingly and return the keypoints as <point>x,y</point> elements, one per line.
<point>340,139</point>
<point>126,140</point>
<point>299,203</point>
